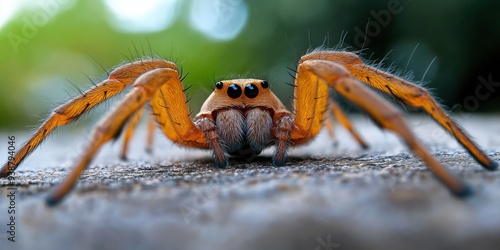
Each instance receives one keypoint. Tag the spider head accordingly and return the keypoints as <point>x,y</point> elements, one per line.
<point>241,94</point>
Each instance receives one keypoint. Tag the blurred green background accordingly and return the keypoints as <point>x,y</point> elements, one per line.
<point>47,46</point>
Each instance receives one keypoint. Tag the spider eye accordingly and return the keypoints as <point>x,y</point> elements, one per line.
<point>251,91</point>
<point>234,91</point>
<point>219,85</point>
<point>264,84</point>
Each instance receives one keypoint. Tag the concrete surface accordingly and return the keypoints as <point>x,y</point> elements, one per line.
<point>330,195</point>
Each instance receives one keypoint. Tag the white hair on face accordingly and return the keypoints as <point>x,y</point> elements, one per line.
<point>230,124</point>
<point>253,128</point>
<point>258,128</point>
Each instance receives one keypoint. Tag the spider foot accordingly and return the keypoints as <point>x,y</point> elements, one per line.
<point>222,164</point>
<point>492,167</point>
<point>278,162</point>
<point>5,174</point>
<point>220,158</point>
<point>52,201</point>
<point>464,192</point>
<point>279,156</point>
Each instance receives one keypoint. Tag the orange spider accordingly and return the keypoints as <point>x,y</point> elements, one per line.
<point>245,114</point>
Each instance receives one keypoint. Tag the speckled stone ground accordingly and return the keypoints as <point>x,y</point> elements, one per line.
<point>330,195</point>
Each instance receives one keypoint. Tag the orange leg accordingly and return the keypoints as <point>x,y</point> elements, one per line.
<point>329,127</point>
<point>381,111</point>
<point>131,126</point>
<point>310,102</point>
<point>151,130</point>
<point>407,92</point>
<point>145,88</point>
<point>70,111</point>
<point>342,118</point>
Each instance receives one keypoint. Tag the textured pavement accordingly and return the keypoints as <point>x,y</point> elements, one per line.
<point>331,194</point>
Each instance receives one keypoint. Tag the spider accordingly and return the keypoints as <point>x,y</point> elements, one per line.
<point>243,115</point>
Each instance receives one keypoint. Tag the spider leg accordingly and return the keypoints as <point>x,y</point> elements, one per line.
<point>342,118</point>
<point>310,103</point>
<point>381,111</point>
<point>209,128</point>
<point>284,127</point>
<point>144,89</point>
<point>170,109</point>
<point>407,92</point>
<point>151,130</point>
<point>311,97</point>
<point>329,127</point>
<point>71,110</point>
<point>131,126</point>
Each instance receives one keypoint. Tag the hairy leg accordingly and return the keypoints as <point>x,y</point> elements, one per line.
<point>407,92</point>
<point>131,126</point>
<point>144,89</point>
<point>283,129</point>
<point>209,128</point>
<point>150,136</point>
<point>342,118</point>
<point>70,111</point>
<point>381,111</point>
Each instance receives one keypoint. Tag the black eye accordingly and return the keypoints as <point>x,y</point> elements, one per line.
<point>264,84</point>
<point>234,91</point>
<point>219,85</point>
<point>251,91</point>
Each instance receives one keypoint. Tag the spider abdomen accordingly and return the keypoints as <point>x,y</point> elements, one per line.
<point>244,132</point>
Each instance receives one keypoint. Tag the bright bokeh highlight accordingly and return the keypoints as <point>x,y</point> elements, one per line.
<point>219,19</point>
<point>133,16</point>
<point>8,9</point>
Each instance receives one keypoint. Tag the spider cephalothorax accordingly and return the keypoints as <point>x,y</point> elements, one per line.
<point>243,115</point>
